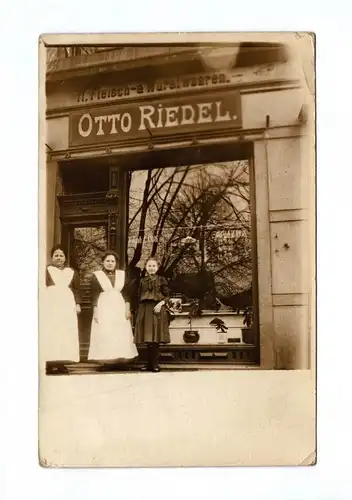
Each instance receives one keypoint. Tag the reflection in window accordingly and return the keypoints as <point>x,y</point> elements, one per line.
<point>196,221</point>
<point>89,244</point>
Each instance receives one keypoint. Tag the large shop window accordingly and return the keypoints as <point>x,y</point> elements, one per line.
<point>196,220</point>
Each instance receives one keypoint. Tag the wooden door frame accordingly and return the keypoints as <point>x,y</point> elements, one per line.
<point>66,230</point>
<point>107,207</point>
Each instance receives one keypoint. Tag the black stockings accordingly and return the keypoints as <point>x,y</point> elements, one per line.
<point>153,357</point>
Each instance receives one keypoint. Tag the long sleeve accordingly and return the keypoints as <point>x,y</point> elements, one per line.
<point>164,288</point>
<point>75,287</point>
<point>129,290</point>
<point>138,295</point>
<point>95,290</point>
<point>48,280</point>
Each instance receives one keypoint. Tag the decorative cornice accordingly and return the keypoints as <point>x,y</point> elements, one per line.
<point>76,67</point>
<point>134,57</point>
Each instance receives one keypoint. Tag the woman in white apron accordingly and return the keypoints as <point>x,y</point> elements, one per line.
<point>60,340</point>
<point>111,338</point>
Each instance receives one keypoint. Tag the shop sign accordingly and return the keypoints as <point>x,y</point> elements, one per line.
<point>160,86</point>
<point>159,118</point>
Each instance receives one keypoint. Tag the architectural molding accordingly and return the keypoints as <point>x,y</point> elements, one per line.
<point>290,299</point>
<point>285,215</point>
<point>187,140</point>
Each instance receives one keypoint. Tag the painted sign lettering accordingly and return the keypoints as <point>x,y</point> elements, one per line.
<point>155,119</point>
<point>161,86</point>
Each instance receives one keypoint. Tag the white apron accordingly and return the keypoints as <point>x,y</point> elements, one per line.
<point>111,338</point>
<point>60,339</point>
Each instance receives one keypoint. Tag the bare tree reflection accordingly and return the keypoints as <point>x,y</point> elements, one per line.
<point>89,244</point>
<point>208,205</point>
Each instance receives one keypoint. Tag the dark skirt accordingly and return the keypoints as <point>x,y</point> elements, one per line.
<point>151,327</point>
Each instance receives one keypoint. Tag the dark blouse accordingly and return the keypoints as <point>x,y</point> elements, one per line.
<point>96,289</point>
<point>153,288</point>
<point>74,285</point>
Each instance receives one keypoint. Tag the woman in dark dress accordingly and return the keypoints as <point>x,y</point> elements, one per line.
<point>152,322</point>
<point>62,304</point>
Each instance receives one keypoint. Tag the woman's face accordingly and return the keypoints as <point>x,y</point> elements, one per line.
<point>58,258</point>
<point>151,267</point>
<point>110,263</point>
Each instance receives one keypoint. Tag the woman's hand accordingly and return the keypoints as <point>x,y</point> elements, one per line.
<point>78,309</point>
<point>158,307</point>
<point>128,312</point>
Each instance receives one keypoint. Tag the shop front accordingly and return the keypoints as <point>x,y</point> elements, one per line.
<point>204,172</point>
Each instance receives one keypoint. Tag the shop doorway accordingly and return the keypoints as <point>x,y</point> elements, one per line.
<point>86,243</point>
<point>91,223</point>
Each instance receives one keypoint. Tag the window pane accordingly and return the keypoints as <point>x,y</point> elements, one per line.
<point>89,244</point>
<point>196,220</point>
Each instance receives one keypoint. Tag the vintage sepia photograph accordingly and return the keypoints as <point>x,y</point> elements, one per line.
<point>177,220</point>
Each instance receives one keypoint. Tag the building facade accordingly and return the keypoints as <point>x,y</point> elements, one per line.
<point>143,142</point>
